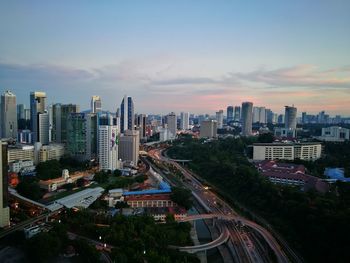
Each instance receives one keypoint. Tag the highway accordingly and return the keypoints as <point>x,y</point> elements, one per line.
<point>248,250</point>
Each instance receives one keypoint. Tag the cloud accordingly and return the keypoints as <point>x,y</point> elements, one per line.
<point>299,76</point>
<point>163,86</point>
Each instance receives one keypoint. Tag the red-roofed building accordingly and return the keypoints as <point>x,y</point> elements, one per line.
<point>290,174</point>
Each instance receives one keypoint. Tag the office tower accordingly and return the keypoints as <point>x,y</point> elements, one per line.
<point>108,147</point>
<point>321,117</point>
<point>4,208</point>
<point>280,119</point>
<point>43,128</point>
<point>269,116</point>
<point>184,121</point>
<point>208,129</point>
<point>259,115</point>
<point>27,114</point>
<point>96,105</point>
<point>8,115</point>
<point>37,105</point>
<point>247,118</point>
<point>127,114</point>
<point>141,121</point>
<point>229,114</point>
<point>129,144</point>
<point>20,111</point>
<point>60,114</point>
<point>290,118</point>
<point>82,136</point>
<point>237,115</point>
<point>220,118</point>
<point>172,123</point>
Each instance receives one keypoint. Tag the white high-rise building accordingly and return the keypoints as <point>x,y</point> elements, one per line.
<point>172,123</point>
<point>108,147</point>
<point>4,208</point>
<point>96,104</point>
<point>259,114</point>
<point>220,118</point>
<point>129,146</point>
<point>8,115</point>
<point>185,121</point>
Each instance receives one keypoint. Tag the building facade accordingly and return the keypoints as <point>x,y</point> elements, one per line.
<point>129,146</point>
<point>287,151</point>
<point>4,208</point>
<point>37,105</point>
<point>8,115</point>
<point>127,114</point>
<point>108,147</point>
<point>290,117</point>
<point>247,118</point>
<point>184,121</point>
<point>82,136</point>
<point>208,129</point>
<point>172,124</point>
<point>96,104</point>
<point>335,134</point>
<point>60,114</point>
<point>220,119</point>
<point>43,129</point>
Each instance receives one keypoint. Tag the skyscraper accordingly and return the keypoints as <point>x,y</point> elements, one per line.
<point>259,114</point>
<point>129,145</point>
<point>172,123</point>
<point>229,114</point>
<point>96,104</point>
<point>141,125</point>
<point>4,209</point>
<point>247,115</point>
<point>37,105</point>
<point>208,129</point>
<point>43,128</point>
<point>220,118</point>
<point>8,115</point>
<point>237,115</point>
<point>20,111</point>
<point>108,147</point>
<point>127,114</point>
<point>60,116</point>
<point>184,121</point>
<point>290,117</point>
<point>82,135</point>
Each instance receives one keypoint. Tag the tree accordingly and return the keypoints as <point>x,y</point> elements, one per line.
<point>80,182</point>
<point>117,173</point>
<point>29,188</point>
<point>122,204</point>
<point>266,138</point>
<point>101,177</point>
<point>49,170</point>
<point>182,197</point>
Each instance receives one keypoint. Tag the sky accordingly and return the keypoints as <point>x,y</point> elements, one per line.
<point>195,56</point>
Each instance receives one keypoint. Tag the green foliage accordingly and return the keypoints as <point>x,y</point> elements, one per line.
<point>182,197</point>
<point>140,178</point>
<point>86,252</point>
<point>43,247</point>
<point>316,225</point>
<point>266,138</point>
<point>134,235</point>
<point>101,177</point>
<point>121,204</point>
<point>29,188</point>
<point>49,170</point>
<point>117,173</point>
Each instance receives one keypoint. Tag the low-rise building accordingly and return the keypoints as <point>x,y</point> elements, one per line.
<point>20,152</point>
<point>334,134</point>
<point>18,166</point>
<point>290,174</point>
<point>49,152</point>
<point>149,200</point>
<point>54,184</point>
<point>160,213</point>
<point>287,151</point>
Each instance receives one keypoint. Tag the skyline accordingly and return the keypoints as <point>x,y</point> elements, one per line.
<point>179,56</point>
